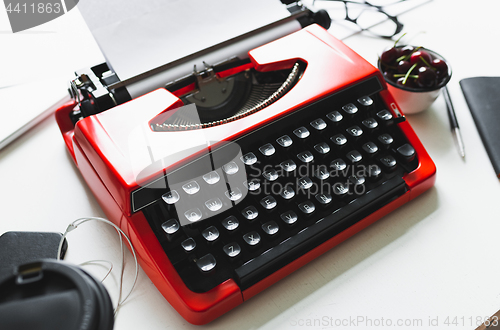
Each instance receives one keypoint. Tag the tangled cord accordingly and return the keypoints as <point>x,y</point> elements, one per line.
<point>121,234</point>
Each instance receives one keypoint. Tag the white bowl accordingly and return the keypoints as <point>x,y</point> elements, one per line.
<point>415,100</point>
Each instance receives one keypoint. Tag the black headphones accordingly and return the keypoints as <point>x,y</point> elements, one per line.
<point>52,295</point>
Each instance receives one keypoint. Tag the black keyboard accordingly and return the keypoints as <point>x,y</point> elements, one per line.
<point>248,208</point>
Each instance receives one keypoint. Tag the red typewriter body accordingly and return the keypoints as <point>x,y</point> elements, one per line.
<point>110,152</point>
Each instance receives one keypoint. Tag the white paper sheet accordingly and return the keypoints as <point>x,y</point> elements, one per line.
<point>137,36</point>
<point>25,105</point>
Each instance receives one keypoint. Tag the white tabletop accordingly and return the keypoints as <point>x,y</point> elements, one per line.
<point>431,261</point>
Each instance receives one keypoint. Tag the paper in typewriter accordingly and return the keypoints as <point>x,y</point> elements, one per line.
<point>139,35</point>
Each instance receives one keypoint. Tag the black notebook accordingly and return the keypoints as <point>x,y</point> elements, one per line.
<point>483,98</point>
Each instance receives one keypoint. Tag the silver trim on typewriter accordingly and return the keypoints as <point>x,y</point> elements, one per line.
<point>182,123</point>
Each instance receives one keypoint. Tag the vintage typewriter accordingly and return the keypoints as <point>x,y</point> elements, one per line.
<point>232,177</point>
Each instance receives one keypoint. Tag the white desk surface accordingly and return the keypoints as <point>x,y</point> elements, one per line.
<point>434,258</point>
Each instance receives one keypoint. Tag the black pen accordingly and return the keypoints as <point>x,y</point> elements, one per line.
<point>453,122</point>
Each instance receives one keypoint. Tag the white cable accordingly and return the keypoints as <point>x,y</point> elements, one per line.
<point>97,261</point>
<point>78,222</point>
<point>122,268</point>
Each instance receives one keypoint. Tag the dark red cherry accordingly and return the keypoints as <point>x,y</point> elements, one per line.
<point>406,50</point>
<point>439,65</point>
<point>390,55</point>
<point>410,82</point>
<point>441,68</point>
<point>403,66</point>
<point>416,57</point>
<point>426,77</point>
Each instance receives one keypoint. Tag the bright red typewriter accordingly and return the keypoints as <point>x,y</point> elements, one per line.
<point>231,178</point>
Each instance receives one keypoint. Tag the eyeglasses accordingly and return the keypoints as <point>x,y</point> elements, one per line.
<point>370,16</point>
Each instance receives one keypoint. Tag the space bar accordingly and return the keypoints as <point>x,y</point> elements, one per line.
<point>260,267</point>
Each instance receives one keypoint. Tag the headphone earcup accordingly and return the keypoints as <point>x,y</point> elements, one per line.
<point>50,295</point>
